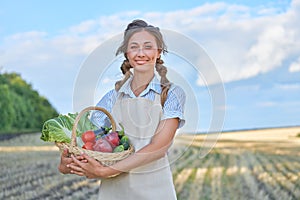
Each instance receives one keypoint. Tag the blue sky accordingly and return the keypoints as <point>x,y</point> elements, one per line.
<point>255,46</point>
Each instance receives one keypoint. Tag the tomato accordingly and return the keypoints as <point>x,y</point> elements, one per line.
<point>88,136</point>
<point>88,146</point>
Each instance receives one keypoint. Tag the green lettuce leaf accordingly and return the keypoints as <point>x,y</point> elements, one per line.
<point>59,129</point>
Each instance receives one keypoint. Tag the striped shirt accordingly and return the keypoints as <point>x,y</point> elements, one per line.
<point>173,106</point>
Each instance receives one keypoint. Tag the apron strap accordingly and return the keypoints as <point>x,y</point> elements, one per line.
<point>157,98</point>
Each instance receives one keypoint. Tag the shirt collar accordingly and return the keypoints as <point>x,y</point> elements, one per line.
<point>153,85</point>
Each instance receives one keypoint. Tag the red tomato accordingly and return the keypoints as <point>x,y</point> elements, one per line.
<point>88,136</point>
<point>88,146</point>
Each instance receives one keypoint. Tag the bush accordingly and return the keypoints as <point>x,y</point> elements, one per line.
<point>22,108</point>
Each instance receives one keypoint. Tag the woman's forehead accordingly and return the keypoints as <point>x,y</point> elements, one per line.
<point>142,37</point>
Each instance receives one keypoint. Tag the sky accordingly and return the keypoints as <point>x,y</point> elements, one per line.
<point>254,46</point>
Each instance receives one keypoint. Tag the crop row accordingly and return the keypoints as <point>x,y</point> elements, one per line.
<point>227,172</point>
<point>34,175</point>
<point>237,174</point>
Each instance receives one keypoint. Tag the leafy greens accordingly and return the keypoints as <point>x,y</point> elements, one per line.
<point>59,129</point>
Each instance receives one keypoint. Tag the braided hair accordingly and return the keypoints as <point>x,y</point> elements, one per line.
<point>132,28</point>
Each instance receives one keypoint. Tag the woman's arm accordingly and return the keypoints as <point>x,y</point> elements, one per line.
<point>156,149</point>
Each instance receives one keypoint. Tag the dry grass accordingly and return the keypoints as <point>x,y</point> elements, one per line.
<point>254,164</point>
<point>264,138</point>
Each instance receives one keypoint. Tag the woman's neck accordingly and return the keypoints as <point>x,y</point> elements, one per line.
<point>140,82</point>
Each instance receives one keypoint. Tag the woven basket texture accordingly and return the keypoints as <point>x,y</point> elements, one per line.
<point>104,158</point>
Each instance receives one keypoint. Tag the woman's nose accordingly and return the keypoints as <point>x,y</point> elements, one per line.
<point>140,52</point>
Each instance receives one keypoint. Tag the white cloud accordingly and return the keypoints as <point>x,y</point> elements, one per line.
<point>242,41</point>
<point>292,86</point>
<point>83,27</point>
<point>270,50</point>
<point>25,48</point>
<point>242,45</point>
<point>255,46</point>
<point>27,35</point>
<point>295,66</point>
<point>282,104</point>
<point>267,104</point>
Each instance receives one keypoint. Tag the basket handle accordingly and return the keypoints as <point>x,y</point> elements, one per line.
<point>77,119</point>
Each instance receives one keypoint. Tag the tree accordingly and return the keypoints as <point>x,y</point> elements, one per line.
<point>6,108</point>
<point>22,108</point>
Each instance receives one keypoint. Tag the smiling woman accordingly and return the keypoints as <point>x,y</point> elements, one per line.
<point>149,110</point>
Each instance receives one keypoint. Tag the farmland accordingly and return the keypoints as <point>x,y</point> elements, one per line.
<point>256,164</point>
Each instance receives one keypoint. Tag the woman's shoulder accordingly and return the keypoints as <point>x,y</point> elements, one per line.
<point>110,93</point>
<point>174,104</point>
<point>176,96</point>
<point>176,90</point>
<point>108,97</point>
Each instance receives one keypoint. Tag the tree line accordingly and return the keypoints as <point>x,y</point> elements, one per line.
<point>21,107</point>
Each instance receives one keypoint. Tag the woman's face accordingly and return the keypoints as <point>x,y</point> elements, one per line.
<point>142,51</point>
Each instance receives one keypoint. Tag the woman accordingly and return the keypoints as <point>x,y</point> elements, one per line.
<point>150,112</point>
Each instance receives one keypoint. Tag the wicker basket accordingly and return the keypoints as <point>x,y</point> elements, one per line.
<point>102,157</point>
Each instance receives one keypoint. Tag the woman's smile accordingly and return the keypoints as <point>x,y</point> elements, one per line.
<point>141,62</point>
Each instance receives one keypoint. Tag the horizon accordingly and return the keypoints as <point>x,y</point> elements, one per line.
<point>254,46</point>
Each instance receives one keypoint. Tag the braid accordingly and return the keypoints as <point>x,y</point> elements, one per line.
<point>125,68</point>
<point>165,83</point>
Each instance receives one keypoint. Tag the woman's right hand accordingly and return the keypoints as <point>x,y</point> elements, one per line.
<point>66,161</point>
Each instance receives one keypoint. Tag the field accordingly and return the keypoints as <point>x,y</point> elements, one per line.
<point>257,164</point>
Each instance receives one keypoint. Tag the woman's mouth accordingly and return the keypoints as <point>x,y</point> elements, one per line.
<point>141,62</point>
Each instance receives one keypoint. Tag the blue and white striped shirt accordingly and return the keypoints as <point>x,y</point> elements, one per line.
<point>173,106</point>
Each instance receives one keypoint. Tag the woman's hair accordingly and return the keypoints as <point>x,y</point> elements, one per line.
<point>132,28</point>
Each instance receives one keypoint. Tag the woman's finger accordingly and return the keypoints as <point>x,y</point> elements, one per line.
<point>75,167</point>
<point>77,173</point>
<point>65,153</point>
<point>81,158</point>
<point>90,159</point>
<point>76,161</point>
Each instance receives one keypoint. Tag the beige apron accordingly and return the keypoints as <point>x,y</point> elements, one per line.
<point>140,118</point>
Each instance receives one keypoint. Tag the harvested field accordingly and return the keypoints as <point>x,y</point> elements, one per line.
<point>256,164</point>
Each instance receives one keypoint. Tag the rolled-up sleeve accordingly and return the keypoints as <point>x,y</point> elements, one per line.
<point>174,105</point>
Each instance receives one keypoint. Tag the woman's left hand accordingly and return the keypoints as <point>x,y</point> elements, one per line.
<point>90,169</point>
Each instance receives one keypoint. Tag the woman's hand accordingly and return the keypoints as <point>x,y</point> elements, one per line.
<point>66,160</point>
<point>91,168</point>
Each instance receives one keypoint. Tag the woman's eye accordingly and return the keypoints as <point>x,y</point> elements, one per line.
<point>148,47</point>
<point>133,47</point>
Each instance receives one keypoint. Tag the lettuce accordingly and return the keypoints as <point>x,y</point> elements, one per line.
<point>59,129</point>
